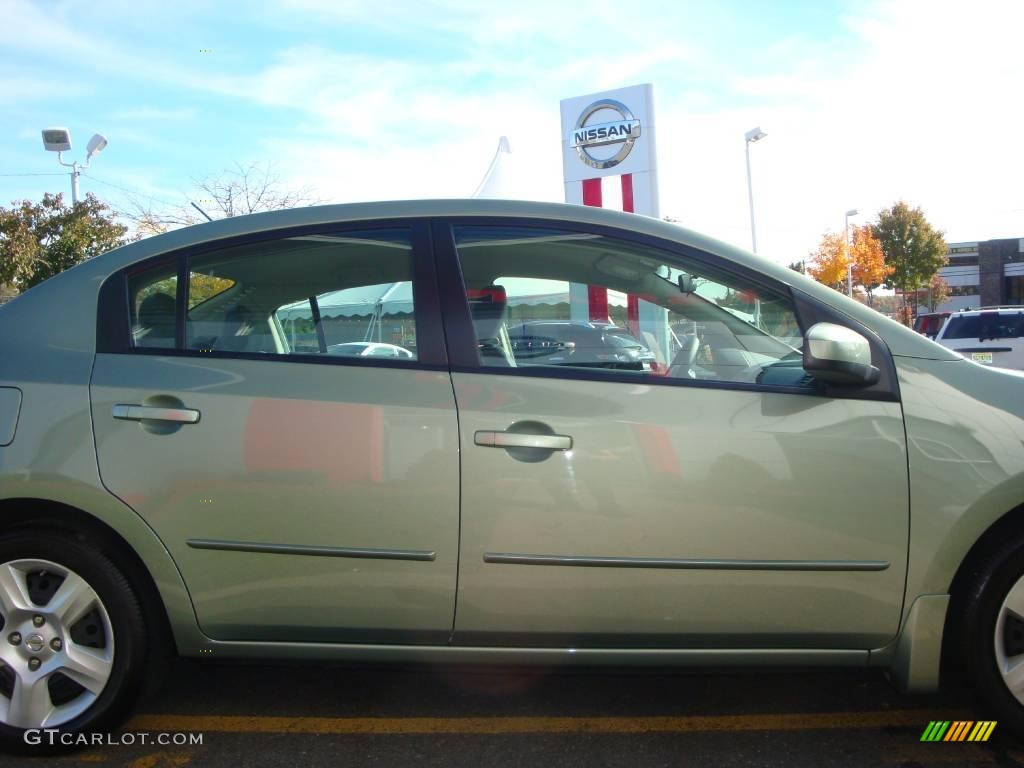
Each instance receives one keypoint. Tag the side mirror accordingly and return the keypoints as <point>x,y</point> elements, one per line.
<point>838,355</point>
<point>686,283</point>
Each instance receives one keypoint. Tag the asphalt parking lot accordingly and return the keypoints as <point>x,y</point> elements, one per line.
<point>259,715</point>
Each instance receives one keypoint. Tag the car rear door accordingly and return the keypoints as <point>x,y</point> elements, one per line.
<point>723,500</point>
<point>303,495</point>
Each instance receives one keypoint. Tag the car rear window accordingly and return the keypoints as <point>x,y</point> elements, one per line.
<point>988,325</point>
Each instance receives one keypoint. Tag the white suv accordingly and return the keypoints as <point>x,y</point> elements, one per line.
<point>989,335</point>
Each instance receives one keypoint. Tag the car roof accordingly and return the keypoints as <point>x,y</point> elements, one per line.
<point>1010,310</point>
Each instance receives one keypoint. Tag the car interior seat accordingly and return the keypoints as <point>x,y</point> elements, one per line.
<point>489,308</point>
<point>156,321</point>
<point>236,334</point>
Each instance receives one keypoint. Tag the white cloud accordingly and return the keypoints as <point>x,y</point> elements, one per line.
<point>917,100</point>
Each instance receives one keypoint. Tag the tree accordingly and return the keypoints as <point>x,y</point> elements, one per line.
<point>235,191</point>
<point>38,240</point>
<point>938,292</point>
<point>828,264</point>
<point>869,267</point>
<point>912,246</point>
<point>798,266</point>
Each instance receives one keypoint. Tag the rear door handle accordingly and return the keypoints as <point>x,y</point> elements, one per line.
<point>152,413</point>
<point>489,439</point>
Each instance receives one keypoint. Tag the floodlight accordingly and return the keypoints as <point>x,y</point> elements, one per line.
<point>96,145</point>
<point>754,134</point>
<point>57,139</point>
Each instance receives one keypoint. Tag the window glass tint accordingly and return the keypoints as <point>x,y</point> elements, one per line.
<point>152,303</point>
<point>347,295</point>
<point>987,325</point>
<point>549,298</point>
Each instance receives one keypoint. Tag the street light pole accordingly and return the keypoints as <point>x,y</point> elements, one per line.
<point>74,176</point>
<point>754,134</point>
<point>59,140</point>
<point>846,251</point>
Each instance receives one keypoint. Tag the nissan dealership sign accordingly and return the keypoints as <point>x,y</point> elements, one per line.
<point>611,134</point>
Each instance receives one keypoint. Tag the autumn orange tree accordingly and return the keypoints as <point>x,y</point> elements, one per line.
<point>869,268</point>
<point>828,264</point>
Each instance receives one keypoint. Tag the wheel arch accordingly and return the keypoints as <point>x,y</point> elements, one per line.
<point>1010,525</point>
<point>133,546</point>
<point>21,514</point>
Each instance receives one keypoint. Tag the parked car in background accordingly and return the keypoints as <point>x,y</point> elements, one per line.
<point>990,335</point>
<point>579,343</point>
<point>930,323</point>
<point>370,349</point>
<point>806,483</point>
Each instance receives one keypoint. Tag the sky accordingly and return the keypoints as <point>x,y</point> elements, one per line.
<point>863,103</point>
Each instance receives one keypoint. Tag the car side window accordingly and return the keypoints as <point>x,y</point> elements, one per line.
<point>345,295</point>
<point>542,297</point>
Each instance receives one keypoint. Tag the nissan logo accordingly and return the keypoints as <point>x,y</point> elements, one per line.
<point>624,132</point>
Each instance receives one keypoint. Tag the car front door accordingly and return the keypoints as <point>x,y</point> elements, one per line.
<point>305,495</point>
<point>721,498</point>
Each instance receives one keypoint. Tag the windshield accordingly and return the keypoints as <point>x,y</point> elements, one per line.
<point>769,313</point>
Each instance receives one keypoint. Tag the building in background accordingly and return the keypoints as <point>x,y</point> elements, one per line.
<point>984,274</point>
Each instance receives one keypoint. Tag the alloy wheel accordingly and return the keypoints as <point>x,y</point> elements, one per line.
<point>56,644</point>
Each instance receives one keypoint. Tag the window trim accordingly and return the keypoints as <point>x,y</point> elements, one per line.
<point>113,327</point>
<point>462,347</point>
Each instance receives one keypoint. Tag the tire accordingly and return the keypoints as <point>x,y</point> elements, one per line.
<point>95,670</point>
<point>994,637</point>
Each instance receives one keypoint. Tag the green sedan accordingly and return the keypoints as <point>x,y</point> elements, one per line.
<point>188,466</point>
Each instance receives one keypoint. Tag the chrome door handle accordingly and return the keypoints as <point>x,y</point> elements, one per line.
<point>151,413</point>
<point>489,439</point>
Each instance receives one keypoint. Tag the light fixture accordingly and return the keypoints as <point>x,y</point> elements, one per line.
<point>96,144</point>
<point>755,134</point>
<point>56,139</point>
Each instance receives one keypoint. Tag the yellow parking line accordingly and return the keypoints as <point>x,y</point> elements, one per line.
<point>500,725</point>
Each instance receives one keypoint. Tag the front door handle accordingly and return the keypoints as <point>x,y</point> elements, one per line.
<point>489,439</point>
<point>152,413</point>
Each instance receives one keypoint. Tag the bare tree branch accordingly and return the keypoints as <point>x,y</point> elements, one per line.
<point>235,191</point>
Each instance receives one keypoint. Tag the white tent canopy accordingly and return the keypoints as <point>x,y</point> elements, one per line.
<point>396,298</point>
<point>386,298</point>
<point>506,178</point>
